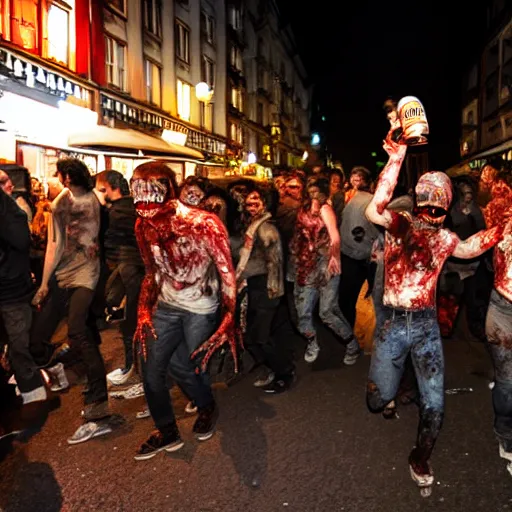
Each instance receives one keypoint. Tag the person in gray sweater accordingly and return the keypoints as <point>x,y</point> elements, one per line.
<point>357,237</point>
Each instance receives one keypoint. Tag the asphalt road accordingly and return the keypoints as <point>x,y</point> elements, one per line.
<point>313,449</point>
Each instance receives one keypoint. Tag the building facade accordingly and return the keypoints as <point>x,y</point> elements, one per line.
<point>487,105</point>
<point>136,64</point>
<point>269,100</point>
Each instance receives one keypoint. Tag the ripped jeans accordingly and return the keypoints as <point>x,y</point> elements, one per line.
<point>307,297</point>
<point>498,329</point>
<point>417,333</point>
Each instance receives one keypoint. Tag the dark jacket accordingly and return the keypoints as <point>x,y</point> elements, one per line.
<point>119,241</point>
<point>15,280</point>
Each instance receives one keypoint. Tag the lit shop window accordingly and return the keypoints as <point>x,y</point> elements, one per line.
<point>115,62</point>
<point>182,42</point>
<point>153,84</point>
<point>58,34</point>
<point>153,17</point>
<point>183,96</point>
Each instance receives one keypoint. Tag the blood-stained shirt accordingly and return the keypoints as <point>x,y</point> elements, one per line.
<point>414,256</point>
<point>77,219</point>
<point>503,263</point>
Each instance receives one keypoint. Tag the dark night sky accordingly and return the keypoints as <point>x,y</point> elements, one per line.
<point>359,54</point>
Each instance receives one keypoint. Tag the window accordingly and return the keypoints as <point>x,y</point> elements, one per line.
<point>153,17</point>
<point>262,78</point>
<point>260,114</point>
<point>235,17</point>
<point>25,24</point>
<point>183,96</point>
<point>235,58</point>
<point>237,98</point>
<point>208,71</point>
<point>153,84</point>
<point>236,133</point>
<point>208,27</point>
<point>118,5</point>
<point>115,62</point>
<point>58,34</point>
<point>207,116</point>
<point>182,42</point>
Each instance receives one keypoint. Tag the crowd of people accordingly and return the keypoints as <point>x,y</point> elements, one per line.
<point>187,269</point>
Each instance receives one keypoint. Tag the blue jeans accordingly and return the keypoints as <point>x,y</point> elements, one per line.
<point>306,298</point>
<point>179,333</point>
<point>417,333</point>
<point>498,328</point>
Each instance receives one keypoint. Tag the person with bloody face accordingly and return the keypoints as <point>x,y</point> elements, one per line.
<point>260,270</point>
<point>498,326</point>
<point>189,278</point>
<point>415,250</point>
<point>316,268</point>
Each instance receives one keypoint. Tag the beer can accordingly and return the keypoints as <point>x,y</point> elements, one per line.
<point>413,120</point>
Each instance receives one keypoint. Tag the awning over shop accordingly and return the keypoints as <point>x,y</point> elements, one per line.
<point>493,151</point>
<point>115,139</point>
<point>463,168</point>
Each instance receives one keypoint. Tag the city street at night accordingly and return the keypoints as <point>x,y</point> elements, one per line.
<point>314,448</point>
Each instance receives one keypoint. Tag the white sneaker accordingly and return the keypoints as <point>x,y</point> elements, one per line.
<point>119,377</point>
<point>191,408</point>
<point>312,351</point>
<point>143,414</point>
<point>352,353</point>
<point>264,380</point>
<point>132,392</point>
<point>88,431</point>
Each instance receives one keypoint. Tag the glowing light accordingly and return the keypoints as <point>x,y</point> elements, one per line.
<point>305,156</point>
<point>251,159</point>
<point>315,139</point>
<point>204,92</point>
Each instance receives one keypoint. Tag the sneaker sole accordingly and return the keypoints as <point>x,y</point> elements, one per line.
<point>205,437</point>
<point>169,449</point>
<point>310,359</point>
<point>98,433</point>
<point>420,480</point>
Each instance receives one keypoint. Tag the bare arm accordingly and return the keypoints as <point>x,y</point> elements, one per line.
<point>329,218</point>
<point>478,243</point>
<point>376,211</point>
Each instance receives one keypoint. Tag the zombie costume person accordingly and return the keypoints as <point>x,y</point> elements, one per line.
<point>416,248</point>
<point>188,268</point>
<point>499,315</point>
<point>260,269</point>
<point>315,258</point>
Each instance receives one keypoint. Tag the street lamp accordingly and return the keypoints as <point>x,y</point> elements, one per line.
<point>204,93</point>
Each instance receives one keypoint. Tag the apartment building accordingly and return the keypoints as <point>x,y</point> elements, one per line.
<point>220,78</point>
<point>487,108</point>
<point>269,101</point>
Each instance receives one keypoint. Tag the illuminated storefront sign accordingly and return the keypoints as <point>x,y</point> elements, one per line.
<point>170,130</point>
<point>40,78</point>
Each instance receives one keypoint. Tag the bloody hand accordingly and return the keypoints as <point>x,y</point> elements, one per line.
<point>144,330</point>
<point>224,334</point>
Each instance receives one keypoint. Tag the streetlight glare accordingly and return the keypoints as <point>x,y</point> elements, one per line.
<point>204,92</point>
